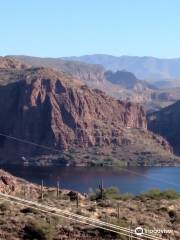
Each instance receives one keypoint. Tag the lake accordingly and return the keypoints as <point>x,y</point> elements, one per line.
<point>133,179</point>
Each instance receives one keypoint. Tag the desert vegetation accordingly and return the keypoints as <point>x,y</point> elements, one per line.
<point>109,205</point>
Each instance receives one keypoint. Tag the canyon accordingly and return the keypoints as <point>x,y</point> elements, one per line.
<point>55,109</point>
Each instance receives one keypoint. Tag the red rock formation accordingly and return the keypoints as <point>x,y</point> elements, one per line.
<point>54,109</point>
<point>50,108</point>
<point>7,182</point>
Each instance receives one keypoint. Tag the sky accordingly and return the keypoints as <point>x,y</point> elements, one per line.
<point>57,28</point>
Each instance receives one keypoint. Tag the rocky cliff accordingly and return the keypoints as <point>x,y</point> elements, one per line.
<point>48,107</point>
<point>56,110</point>
<point>166,123</point>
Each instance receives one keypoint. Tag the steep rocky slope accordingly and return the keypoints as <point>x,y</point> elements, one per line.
<point>166,123</point>
<point>56,110</point>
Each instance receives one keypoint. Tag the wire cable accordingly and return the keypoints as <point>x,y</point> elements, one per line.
<point>124,231</point>
<point>59,151</point>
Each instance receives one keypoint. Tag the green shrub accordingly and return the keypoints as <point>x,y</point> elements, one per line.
<point>155,193</point>
<point>29,210</point>
<point>111,193</point>
<point>105,203</point>
<point>92,208</point>
<point>170,194</point>
<point>4,206</point>
<point>39,230</point>
<point>126,196</point>
<point>108,193</point>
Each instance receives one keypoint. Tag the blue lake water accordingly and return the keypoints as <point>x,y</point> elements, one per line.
<point>133,180</point>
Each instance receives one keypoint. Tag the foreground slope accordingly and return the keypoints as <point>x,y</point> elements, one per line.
<point>151,210</point>
<point>56,110</point>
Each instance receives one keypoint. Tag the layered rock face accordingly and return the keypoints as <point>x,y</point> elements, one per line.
<point>50,108</point>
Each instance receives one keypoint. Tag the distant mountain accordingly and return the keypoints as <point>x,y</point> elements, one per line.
<point>122,85</point>
<point>127,80</point>
<point>123,78</point>
<point>147,68</point>
<point>90,73</point>
<point>166,123</point>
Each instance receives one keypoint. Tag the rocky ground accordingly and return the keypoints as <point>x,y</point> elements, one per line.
<point>153,210</point>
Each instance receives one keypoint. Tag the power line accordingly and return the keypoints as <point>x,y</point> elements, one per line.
<point>76,217</point>
<point>56,150</point>
<point>59,151</point>
<point>31,143</point>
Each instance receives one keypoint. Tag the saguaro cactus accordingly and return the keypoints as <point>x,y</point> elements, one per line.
<point>118,211</point>
<point>101,188</point>
<point>42,193</point>
<point>77,200</point>
<point>58,189</point>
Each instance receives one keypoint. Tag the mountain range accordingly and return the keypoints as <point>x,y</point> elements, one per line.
<point>146,68</point>
<point>123,85</point>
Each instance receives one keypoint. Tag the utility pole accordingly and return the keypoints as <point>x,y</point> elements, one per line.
<point>58,189</point>
<point>101,189</point>
<point>130,231</point>
<point>42,184</point>
<point>118,211</point>
<point>24,192</point>
<point>77,200</point>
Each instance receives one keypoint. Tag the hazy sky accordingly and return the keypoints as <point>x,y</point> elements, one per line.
<point>58,28</point>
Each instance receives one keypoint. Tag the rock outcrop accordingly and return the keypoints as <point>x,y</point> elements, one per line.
<point>10,63</point>
<point>7,182</point>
